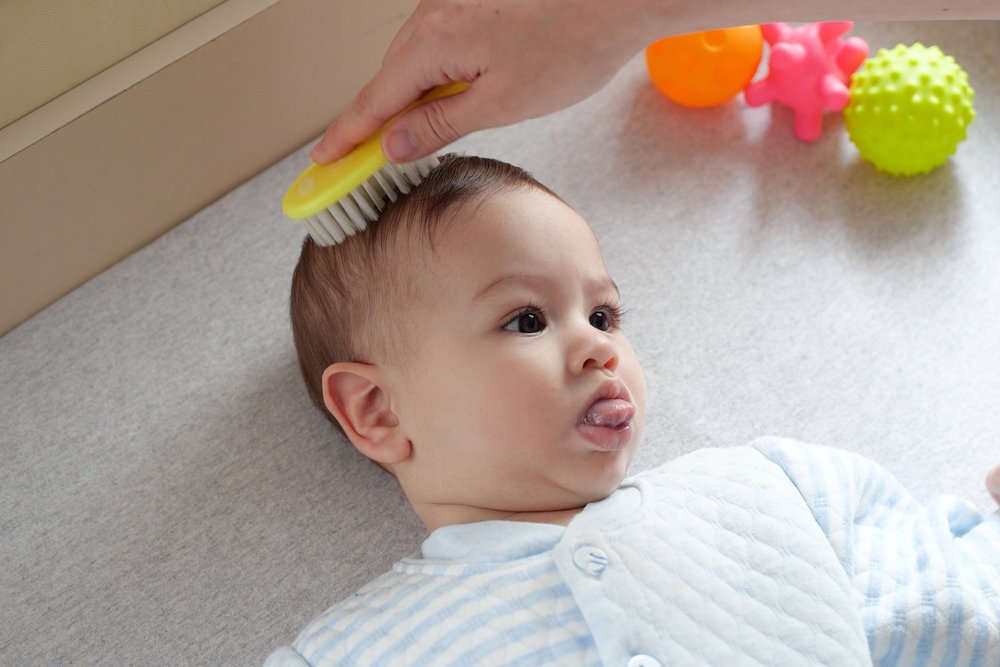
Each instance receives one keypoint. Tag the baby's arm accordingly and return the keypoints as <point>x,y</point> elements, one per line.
<point>927,577</point>
<point>285,656</point>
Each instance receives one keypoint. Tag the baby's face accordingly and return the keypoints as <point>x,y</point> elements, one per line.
<point>518,338</point>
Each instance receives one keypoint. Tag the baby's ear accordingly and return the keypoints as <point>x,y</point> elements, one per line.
<point>993,482</point>
<point>357,396</point>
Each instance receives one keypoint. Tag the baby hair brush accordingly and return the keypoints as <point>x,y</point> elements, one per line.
<point>338,200</point>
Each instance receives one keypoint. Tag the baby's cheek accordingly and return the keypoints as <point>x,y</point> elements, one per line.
<point>993,482</point>
<point>525,402</point>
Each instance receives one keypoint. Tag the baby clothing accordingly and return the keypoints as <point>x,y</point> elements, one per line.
<point>777,553</point>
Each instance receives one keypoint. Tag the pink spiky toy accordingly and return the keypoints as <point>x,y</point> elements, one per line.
<point>810,71</point>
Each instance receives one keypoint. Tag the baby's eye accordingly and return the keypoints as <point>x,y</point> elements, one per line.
<point>528,320</point>
<point>606,318</point>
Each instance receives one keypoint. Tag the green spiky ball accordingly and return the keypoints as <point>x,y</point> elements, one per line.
<point>909,109</point>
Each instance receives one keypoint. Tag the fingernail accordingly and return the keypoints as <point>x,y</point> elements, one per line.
<point>317,154</point>
<point>401,146</point>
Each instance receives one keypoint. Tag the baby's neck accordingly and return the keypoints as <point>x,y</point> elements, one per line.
<point>560,518</point>
<point>439,516</point>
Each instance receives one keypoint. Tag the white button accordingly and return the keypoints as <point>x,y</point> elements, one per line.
<point>643,661</point>
<point>591,560</point>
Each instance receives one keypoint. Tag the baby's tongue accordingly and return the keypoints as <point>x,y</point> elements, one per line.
<point>609,412</point>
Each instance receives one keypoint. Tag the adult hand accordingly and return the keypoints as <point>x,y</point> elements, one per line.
<point>523,59</point>
<point>527,58</point>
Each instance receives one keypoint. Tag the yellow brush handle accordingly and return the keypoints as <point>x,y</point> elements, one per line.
<point>319,186</point>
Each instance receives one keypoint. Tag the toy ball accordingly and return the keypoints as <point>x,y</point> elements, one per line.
<point>809,71</point>
<point>702,69</point>
<point>909,109</point>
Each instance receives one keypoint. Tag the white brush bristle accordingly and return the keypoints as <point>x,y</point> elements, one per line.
<point>352,213</point>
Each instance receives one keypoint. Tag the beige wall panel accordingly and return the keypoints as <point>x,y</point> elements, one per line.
<point>50,46</point>
<point>113,180</point>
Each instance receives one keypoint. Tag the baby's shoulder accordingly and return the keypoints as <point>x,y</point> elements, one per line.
<point>388,593</point>
<point>710,465</point>
<point>763,458</point>
<point>342,626</point>
<point>764,476</point>
<point>417,606</point>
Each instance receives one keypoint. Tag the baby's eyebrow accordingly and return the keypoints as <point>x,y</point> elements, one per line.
<point>507,279</point>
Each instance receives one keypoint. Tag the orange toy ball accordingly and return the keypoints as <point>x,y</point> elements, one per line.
<point>702,69</point>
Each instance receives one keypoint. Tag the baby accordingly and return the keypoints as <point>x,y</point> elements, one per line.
<point>470,344</point>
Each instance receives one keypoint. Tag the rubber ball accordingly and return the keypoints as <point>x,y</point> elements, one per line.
<point>909,109</point>
<point>703,69</point>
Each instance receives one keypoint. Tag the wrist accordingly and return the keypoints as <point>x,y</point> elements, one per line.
<point>628,26</point>
<point>642,22</point>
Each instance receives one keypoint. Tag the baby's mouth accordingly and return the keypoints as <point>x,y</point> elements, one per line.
<point>609,413</point>
<point>608,423</point>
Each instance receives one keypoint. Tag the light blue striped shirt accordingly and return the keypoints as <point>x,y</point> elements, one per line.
<point>776,553</point>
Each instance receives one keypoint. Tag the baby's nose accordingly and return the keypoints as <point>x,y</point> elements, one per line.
<point>599,352</point>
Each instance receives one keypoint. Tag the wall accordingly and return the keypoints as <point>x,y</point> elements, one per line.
<point>50,46</point>
<point>116,177</point>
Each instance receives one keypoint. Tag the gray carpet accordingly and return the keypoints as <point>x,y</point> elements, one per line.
<point>168,495</point>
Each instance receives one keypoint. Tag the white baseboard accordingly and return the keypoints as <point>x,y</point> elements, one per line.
<point>118,78</point>
<point>87,181</point>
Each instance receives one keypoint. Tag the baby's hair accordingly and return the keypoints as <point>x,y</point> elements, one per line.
<point>349,301</point>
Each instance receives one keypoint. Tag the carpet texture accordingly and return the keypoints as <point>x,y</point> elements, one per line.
<point>169,496</point>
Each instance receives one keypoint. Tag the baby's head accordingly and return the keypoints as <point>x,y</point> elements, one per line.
<point>469,343</point>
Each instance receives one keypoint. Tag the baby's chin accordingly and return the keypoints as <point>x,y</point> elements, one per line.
<point>574,491</point>
<point>609,474</point>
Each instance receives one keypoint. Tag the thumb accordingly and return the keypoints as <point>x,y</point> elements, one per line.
<point>428,128</point>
